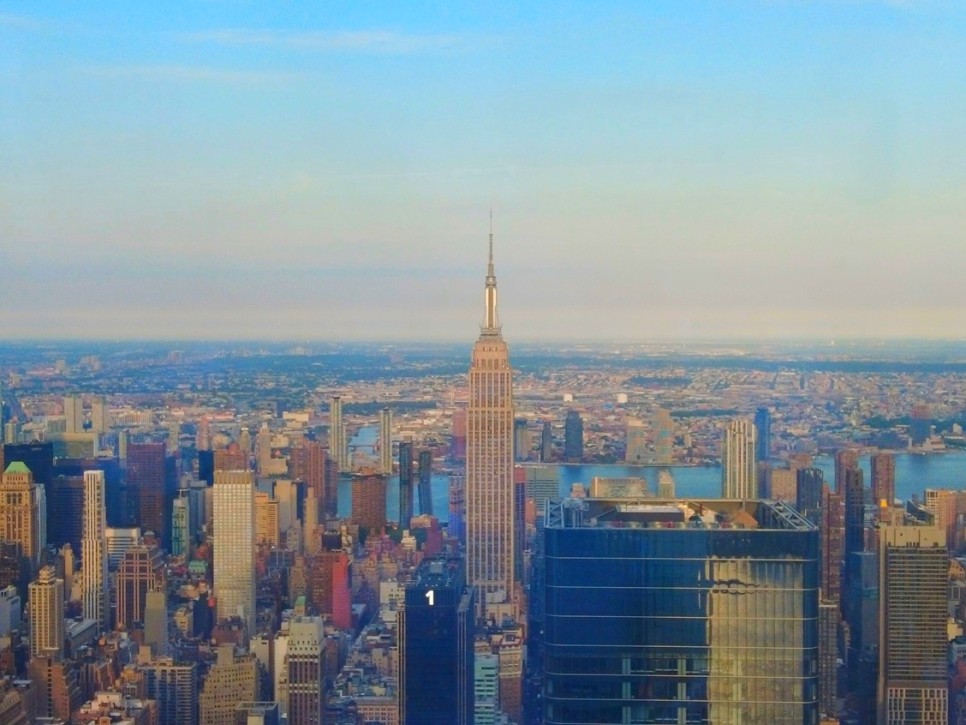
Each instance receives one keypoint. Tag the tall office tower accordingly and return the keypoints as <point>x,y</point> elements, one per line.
<point>369,501</point>
<point>425,487</point>
<point>203,434</point>
<point>45,602</point>
<point>854,528</point>
<point>234,569</point>
<point>10,610</point>
<point>635,442</point>
<point>175,687</point>
<point>828,656</point>
<point>808,494</point>
<point>327,581</point>
<point>74,413</point>
<point>833,542</point>
<point>436,646</point>
<point>913,570</point>
<point>385,442</point>
<point>307,463</point>
<point>181,524</point>
<point>231,458</point>
<point>266,519</point>
<point>573,436</point>
<point>310,523</point>
<point>338,442</point>
<point>883,479</point>
<point>663,437</point>
<point>100,416</point>
<point>617,573</point>
<point>20,512</point>
<point>920,424</point>
<point>521,440</point>
<point>232,679</point>
<point>141,570</point>
<point>94,551</point>
<point>863,633</point>
<point>763,427</point>
<point>330,501</point>
<point>456,527</point>
<point>546,442</point>
<point>739,470</point>
<point>457,447</point>
<point>941,503</point>
<point>156,622</point>
<point>65,512</point>
<point>146,479</point>
<point>305,668</point>
<point>405,483</point>
<point>844,460</point>
<point>489,459</point>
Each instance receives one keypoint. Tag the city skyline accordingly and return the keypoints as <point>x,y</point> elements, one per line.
<point>243,171</point>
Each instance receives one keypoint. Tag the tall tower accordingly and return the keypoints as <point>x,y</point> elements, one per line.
<point>489,459</point>
<point>20,512</point>
<point>763,426</point>
<point>234,520</point>
<point>883,479</point>
<point>46,607</point>
<point>739,472</point>
<point>405,483</point>
<point>93,550</point>
<point>913,566</point>
<point>573,436</point>
<point>337,438</point>
<point>385,442</point>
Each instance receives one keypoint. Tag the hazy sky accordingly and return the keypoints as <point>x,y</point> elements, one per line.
<point>325,170</point>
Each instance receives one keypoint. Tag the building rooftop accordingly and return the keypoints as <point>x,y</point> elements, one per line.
<point>655,513</point>
<point>17,467</point>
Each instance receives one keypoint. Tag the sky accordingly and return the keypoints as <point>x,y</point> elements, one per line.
<point>662,170</point>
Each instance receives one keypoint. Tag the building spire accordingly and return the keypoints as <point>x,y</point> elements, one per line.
<point>491,323</point>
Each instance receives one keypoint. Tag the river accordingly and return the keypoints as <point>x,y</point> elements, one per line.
<point>914,474</point>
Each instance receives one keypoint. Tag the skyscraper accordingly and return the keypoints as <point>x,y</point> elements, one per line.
<point>425,485</point>
<point>74,413</point>
<point>405,483</point>
<point>234,521</point>
<point>436,646</point>
<point>659,612</point>
<point>94,550</point>
<point>338,444</point>
<point>763,426</point>
<point>883,479</point>
<point>140,571</point>
<point>573,436</point>
<point>521,440</point>
<point>913,566</point>
<point>147,480</point>
<point>20,511</point>
<point>489,458</point>
<point>45,603</point>
<point>305,668</point>
<point>546,442</point>
<point>663,437</point>
<point>808,490</point>
<point>369,501</point>
<point>739,472</point>
<point>385,442</point>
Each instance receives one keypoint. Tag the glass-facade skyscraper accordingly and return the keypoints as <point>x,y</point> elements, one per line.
<point>436,635</point>
<point>678,611</point>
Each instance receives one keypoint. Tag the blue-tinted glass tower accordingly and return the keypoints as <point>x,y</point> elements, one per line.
<point>436,634</point>
<point>763,424</point>
<point>674,611</point>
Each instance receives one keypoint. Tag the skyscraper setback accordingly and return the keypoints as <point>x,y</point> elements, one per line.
<point>489,458</point>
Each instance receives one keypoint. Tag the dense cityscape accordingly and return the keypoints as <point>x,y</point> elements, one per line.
<point>276,448</point>
<point>363,533</point>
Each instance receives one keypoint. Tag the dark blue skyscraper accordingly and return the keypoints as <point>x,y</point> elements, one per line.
<point>666,611</point>
<point>763,424</point>
<point>573,436</point>
<point>436,636</point>
<point>405,483</point>
<point>425,482</point>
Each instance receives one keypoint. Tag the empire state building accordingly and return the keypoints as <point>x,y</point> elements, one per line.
<point>489,459</point>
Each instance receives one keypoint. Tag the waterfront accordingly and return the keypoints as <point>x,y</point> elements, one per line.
<point>914,474</point>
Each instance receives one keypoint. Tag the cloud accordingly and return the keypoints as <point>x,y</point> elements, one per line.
<point>187,74</point>
<point>362,41</point>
